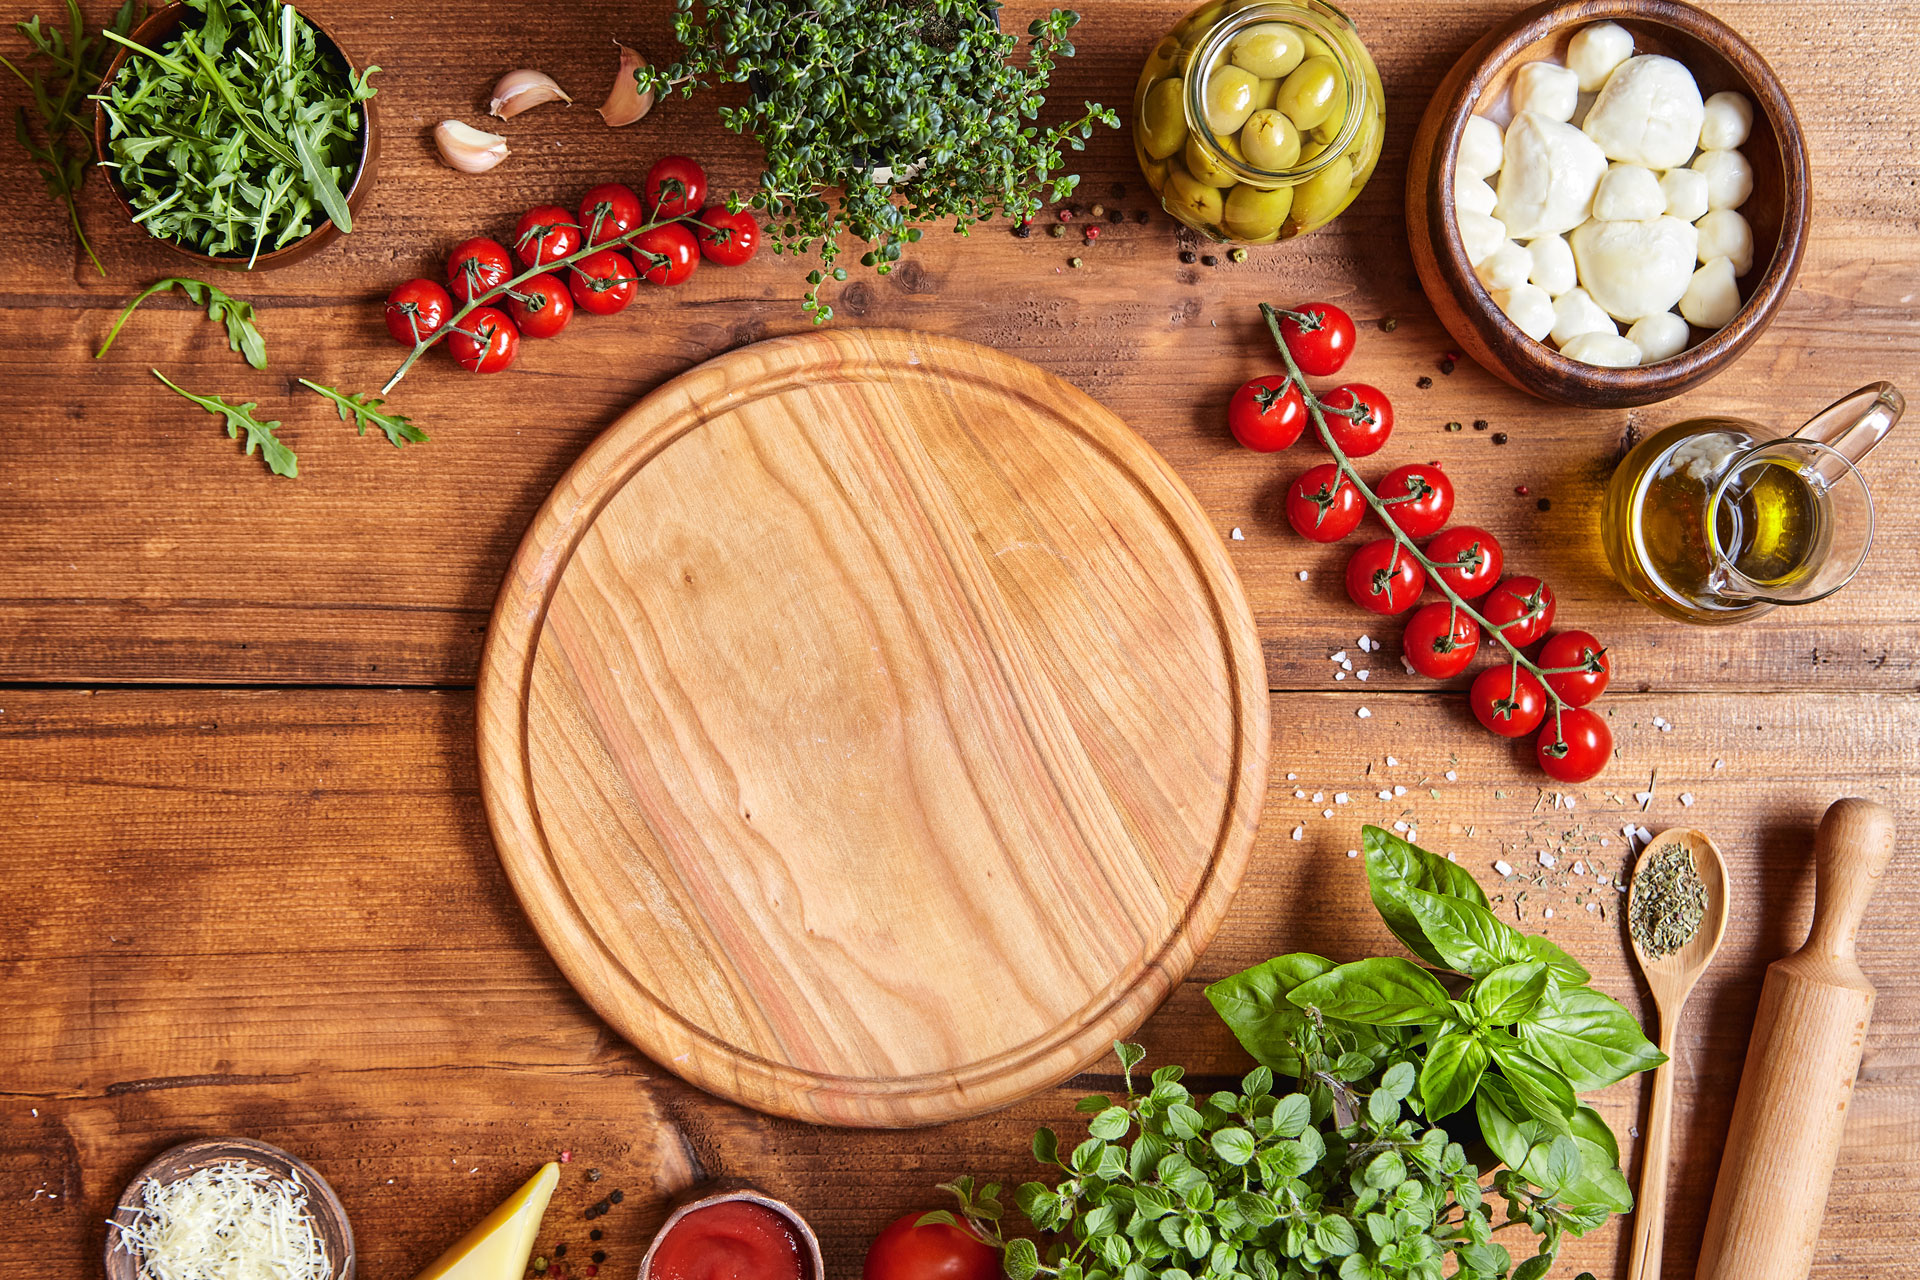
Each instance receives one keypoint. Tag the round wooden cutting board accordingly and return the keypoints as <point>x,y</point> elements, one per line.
<point>872,727</point>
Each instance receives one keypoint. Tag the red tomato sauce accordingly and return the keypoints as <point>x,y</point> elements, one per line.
<point>732,1240</point>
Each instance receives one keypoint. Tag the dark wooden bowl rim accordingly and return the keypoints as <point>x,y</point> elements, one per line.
<point>720,1191</point>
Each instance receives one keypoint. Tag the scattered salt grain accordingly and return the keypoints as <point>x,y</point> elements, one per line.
<point>1303,575</point>
<point>1339,797</point>
<point>1644,797</point>
<point>1719,764</point>
<point>1339,675</point>
<point>1547,859</point>
<point>1646,836</point>
<point>1504,867</point>
<point>1364,714</point>
<point>1451,776</point>
<point>1592,907</point>
<point>1604,842</point>
<point>1571,802</point>
<point>1686,798</point>
<point>1353,853</point>
<point>1318,796</point>
<point>1391,762</point>
<point>1238,536</point>
<point>1346,664</point>
<point>1361,675</point>
<point>1400,826</point>
<point>1338,657</point>
<point>1386,793</point>
<point>1579,868</point>
<point>1292,776</point>
<point>1326,813</point>
<point>1298,832</point>
<point>1298,794</point>
<point>1399,791</point>
<point>1549,913</point>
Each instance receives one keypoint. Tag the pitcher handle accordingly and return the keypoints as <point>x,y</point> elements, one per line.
<point>1852,425</point>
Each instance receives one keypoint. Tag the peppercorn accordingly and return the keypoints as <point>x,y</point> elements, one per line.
<point>1116,215</point>
<point>617,1196</point>
<point>1022,230</point>
<point>1544,504</point>
<point>1075,263</point>
<point>1066,215</point>
<point>1479,424</point>
<point>1236,254</point>
<point>1188,256</point>
<point>1092,233</point>
<point>1209,261</point>
<point>1453,426</point>
<point>1141,216</point>
<point>1097,211</point>
<point>1446,366</point>
<point>1388,324</point>
<point>599,1255</point>
<point>1499,437</point>
<point>539,1266</point>
<point>1521,490</point>
<point>593,1175</point>
<point>1056,231</point>
<point>560,1251</point>
<point>1424,382</point>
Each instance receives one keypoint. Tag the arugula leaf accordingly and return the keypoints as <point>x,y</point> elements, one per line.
<point>1589,1038</point>
<point>364,410</point>
<point>1385,991</point>
<point>279,458</point>
<point>1451,1073</point>
<point>243,335</point>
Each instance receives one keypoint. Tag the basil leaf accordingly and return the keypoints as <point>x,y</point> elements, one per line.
<point>1390,861</point>
<point>1596,1182</point>
<point>1253,1004</point>
<point>1384,991</point>
<point>1468,938</point>
<point>1502,1120</point>
<point>1534,1268</point>
<point>1589,1127</point>
<point>1563,968</point>
<point>1451,1074</point>
<point>1588,1038</point>
<point>1543,1092</point>
<point>1509,993</point>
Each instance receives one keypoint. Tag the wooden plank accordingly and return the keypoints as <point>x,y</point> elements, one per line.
<point>139,546</point>
<point>279,913</point>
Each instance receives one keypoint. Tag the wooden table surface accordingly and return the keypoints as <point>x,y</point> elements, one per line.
<point>248,886</point>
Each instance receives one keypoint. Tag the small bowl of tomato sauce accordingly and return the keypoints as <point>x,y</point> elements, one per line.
<point>733,1232</point>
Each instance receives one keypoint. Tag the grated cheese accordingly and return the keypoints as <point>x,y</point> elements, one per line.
<point>231,1221</point>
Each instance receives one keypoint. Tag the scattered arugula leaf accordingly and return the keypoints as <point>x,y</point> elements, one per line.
<point>243,335</point>
<point>364,409</point>
<point>279,458</point>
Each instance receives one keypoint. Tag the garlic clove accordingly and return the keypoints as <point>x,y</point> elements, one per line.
<point>520,90</point>
<point>625,103</point>
<point>468,149</point>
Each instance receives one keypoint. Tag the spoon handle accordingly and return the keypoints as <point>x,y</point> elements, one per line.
<point>1650,1206</point>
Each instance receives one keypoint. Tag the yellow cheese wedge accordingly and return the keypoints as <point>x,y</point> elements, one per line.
<point>498,1248</point>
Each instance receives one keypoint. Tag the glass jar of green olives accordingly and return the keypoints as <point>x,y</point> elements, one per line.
<point>1259,120</point>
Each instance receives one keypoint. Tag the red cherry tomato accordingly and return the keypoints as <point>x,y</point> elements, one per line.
<point>936,1251</point>
<point>1418,498</point>
<point>728,238</point>
<point>608,212</point>
<point>487,343</point>
<point>546,233</point>
<point>1576,649</point>
<point>1508,700</point>
<point>476,267</point>
<point>1358,437</point>
<point>1440,641</point>
<point>416,309</point>
<point>675,186</point>
<point>1521,608</point>
<point>1468,558</point>
<point>1384,577</point>
<point>1576,749</point>
<point>666,255</point>
<point>1267,414</point>
<point>603,283</point>
<point>1322,344</point>
<point>541,307</point>
<point>1323,505</point>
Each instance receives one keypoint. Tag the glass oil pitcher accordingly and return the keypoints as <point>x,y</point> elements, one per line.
<point>1717,520</point>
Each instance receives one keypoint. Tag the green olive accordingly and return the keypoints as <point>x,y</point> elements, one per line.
<point>1315,47</point>
<point>1310,150</point>
<point>1264,92</point>
<point>1268,49</point>
<point>1320,197</point>
<point>1190,200</point>
<point>1205,164</point>
<point>1230,94</point>
<point>1253,215</point>
<point>1364,153</point>
<point>1163,119</point>
<point>1269,141</point>
<point>1309,95</point>
<point>1156,171</point>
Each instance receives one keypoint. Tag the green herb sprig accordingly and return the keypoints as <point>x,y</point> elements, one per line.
<point>240,418</point>
<point>364,410</point>
<point>243,335</point>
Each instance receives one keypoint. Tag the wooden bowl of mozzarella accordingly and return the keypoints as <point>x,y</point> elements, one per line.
<point>1486,82</point>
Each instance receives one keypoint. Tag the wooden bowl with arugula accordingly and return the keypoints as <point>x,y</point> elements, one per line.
<point>225,92</point>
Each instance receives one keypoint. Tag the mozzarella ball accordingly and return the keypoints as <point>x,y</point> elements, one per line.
<point>1659,336</point>
<point>1729,178</point>
<point>1595,51</point>
<point>1635,269</point>
<point>1724,233</point>
<point>1546,89</point>
<point>1549,171</point>
<point>1628,193</point>
<point>1553,268</point>
<point>1729,119</point>
<point>1712,298</point>
<point>1574,313</point>
<point>1472,195</point>
<point>1608,350</point>
<point>1649,112</point>
<point>1686,192</point>
<point>1529,307</point>
<point>1480,147</point>
<point>1505,268</point>
<point>1480,235</point>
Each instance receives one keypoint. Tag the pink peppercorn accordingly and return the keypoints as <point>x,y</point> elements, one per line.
<point>1093,233</point>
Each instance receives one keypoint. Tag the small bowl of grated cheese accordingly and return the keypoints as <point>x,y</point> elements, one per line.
<point>229,1209</point>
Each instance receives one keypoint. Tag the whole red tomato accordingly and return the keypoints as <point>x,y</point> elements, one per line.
<point>1508,700</point>
<point>1322,342</point>
<point>1323,505</point>
<point>936,1251</point>
<point>1468,558</point>
<point>728,238</point>
<point>666,255</point>
<point>608,212</point>
<point>545,233</point>
<point>1267,414</point>
<point>675,186</point>
<point>488,343</point>
<point>1364,433</point>
<point>1521,608</point>
<point>476,267</point>
<point>1384,577</point>
<point>1440,641</point>
<point>603,283</point>
<point>1590,673</point>
<point>415,311</point>
<point>541,307</point>
<point>1576,748</point>
<point>1418,498</point>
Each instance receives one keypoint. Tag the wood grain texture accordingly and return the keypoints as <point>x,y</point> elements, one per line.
<point>1778,210</point>
<point>873,727</point>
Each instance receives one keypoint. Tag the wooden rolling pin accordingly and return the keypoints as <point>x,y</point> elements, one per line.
<point>1801,1062</point>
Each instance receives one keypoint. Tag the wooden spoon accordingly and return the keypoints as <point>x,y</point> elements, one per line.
<point>1671,978</point>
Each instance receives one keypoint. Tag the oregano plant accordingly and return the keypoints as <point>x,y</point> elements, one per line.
<point>879,114</point>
